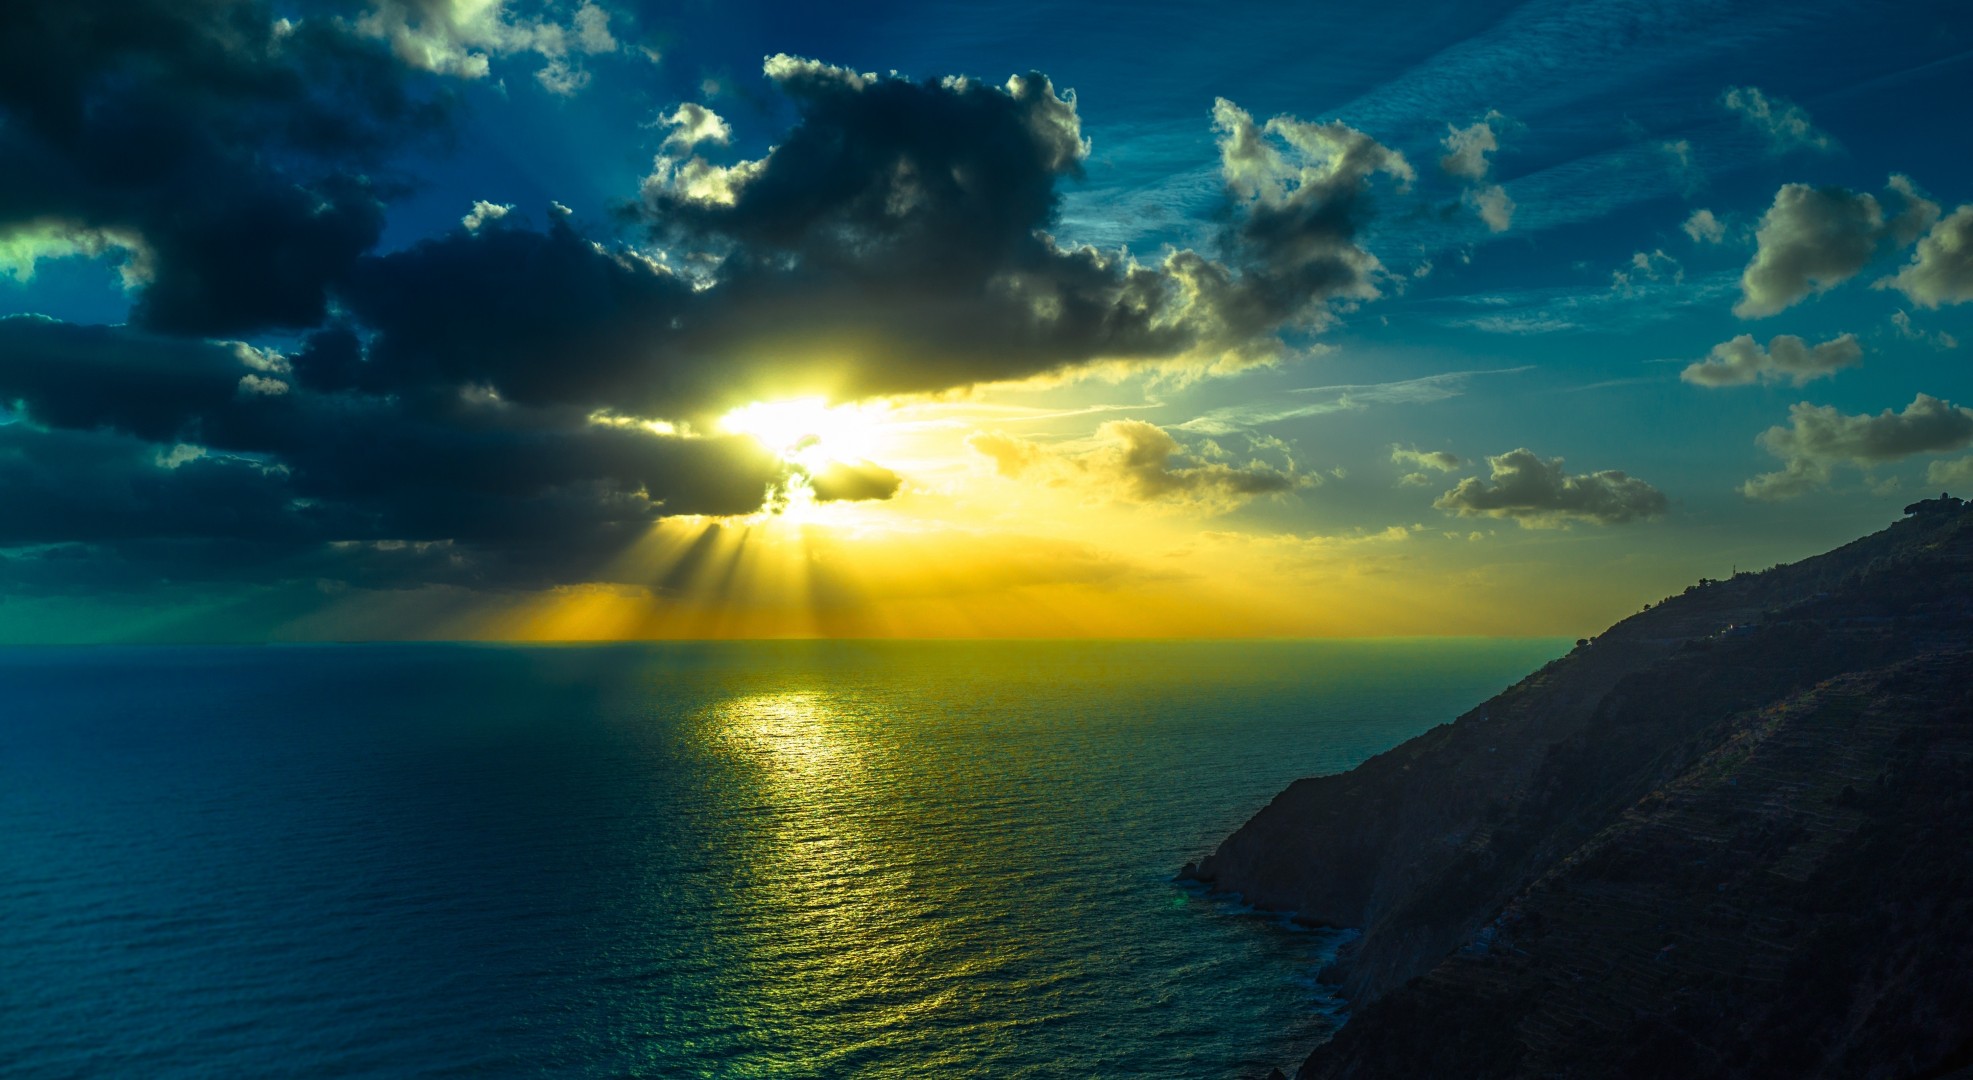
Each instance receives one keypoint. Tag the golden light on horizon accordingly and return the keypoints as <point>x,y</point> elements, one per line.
<point>963,549</point>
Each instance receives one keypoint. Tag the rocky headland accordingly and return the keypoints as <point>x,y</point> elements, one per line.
<point>1731,836</point>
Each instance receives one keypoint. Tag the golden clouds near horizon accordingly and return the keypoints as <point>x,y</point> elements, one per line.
<point>1104,575</point>
<point>776,576</point>
<point>780,578</point>
<point>959,547</point>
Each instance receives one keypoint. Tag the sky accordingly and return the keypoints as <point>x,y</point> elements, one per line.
<point>493,319</point>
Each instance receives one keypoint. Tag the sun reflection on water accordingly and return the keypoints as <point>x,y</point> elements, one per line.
<point>793,734</point>
<point>841,866</point>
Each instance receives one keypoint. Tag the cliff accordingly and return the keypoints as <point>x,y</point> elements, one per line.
<point>1731,836</point>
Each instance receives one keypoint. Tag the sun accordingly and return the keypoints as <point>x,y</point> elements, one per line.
<point>806,431</point>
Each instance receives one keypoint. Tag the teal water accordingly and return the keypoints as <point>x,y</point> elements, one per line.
<point>807,859</point>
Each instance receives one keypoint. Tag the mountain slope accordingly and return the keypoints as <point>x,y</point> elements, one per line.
<point>1674,842</point>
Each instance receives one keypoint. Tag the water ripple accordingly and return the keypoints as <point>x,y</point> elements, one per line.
<point>750,860</point>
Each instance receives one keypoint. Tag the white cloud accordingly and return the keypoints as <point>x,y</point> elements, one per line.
<point>697,180</point>
<point>1901,322</point>
<point>560,77</point>
<point>692,124</point>
<point>1956,473</point>
<point>592,30</point>
<point>1784,123</point>
<point>179,454</point>
<point>1537,323</point>
<point>1322,400</point>
<point>1136,461</point>
<point>459,37</point>
<point>1704,228</point>
<point>784,68</point>
<point>1422,463</point>
<point>1742,360</point>
<point>1918,215</point>
<point>1680,153</point>
<point>1467,148</point>
<point>25,245</point>
<point>484,212</point>
<point>1438,460</point>
<point>1466,158</point>
<point>1941,270</point>
<point>1494,206</point>
<point>1330,157</point>
<point>1817,438</point>
<point>1645,266</point>
<point>1814,239</point>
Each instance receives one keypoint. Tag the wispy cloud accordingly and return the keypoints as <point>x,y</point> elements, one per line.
<point>1785,124</point>
<point>968,413</point>
<point>1321,400</point>
<point>1640,301</point>
<point>1571,48</point>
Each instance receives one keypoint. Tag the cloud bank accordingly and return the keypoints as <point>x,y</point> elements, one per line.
<point>1817,438</point>
<point>513,403</point>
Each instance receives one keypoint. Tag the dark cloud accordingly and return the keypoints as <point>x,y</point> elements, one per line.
<point>146,385</point>
<point>512,494</point>
<point>1538,493</point>
<point>1301,195</point>
<point>226,153</point>
<point>508,404</point>
<point>261,258</point>
<point>544,318</point>
<point>844,481</point>
<point>953,176</point>
<point>888,245</point>
<point>895,240</point>
<point>61,486</point>
<point>1152,465</point>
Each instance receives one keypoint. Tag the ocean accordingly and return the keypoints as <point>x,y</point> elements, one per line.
<point>761,859</point>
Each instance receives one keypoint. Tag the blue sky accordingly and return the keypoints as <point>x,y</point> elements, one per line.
<point>1562,326</point>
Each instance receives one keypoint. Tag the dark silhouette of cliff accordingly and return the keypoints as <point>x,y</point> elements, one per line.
<point>1731,836</point>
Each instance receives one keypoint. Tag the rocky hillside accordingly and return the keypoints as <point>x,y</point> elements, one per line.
<point>1732,836</point>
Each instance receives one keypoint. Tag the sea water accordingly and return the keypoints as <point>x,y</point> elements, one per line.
<point>793,859</point>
